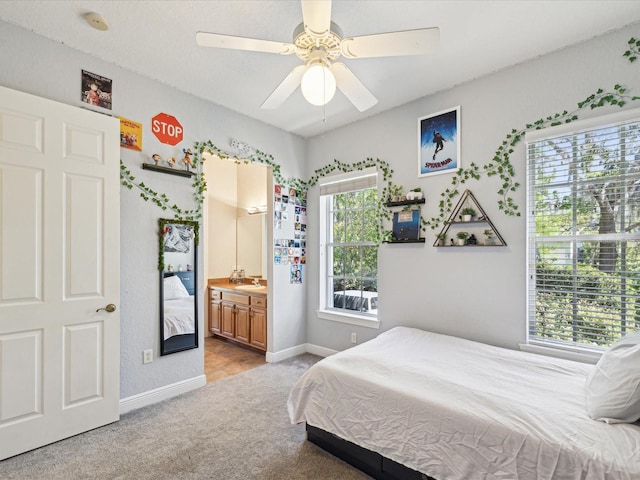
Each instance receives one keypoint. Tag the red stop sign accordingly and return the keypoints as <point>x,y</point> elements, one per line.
<point>167,129</point>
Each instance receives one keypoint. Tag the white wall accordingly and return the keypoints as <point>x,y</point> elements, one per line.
<point>41,67</point>
<point>473,293</point>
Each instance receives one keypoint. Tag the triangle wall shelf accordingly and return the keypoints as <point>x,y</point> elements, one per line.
<point>480,230</point>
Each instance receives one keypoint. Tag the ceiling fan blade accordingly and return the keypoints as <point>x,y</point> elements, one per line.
<point>316,15</point>
<point>409,42</point>
<point>352,88</point>
<point>217,40</point>
<point>285,89</point>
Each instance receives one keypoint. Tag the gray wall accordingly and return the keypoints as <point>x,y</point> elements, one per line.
<point>473,293</point>
<point>41,67</point>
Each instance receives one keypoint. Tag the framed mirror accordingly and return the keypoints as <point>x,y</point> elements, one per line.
<point>177,263</point>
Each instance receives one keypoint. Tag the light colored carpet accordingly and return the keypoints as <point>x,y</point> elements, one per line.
<point>234,428</point>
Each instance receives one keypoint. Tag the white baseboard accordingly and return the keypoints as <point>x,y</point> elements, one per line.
<point>168,391</point>
<point>163,393</point>
<point>273,357</point>
<point>320,351</point>
<point>298,350</point>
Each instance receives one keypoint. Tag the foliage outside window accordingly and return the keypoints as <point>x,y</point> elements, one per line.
<point>351,250</point>
<point>584,232</point>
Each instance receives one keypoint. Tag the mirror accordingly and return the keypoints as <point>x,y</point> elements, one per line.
<point>250,246</point>
<point>178,259</point>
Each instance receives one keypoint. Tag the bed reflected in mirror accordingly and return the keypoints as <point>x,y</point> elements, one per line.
<point>178,285</point>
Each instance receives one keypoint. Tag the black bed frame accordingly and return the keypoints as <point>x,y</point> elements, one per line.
<point>371,463</point>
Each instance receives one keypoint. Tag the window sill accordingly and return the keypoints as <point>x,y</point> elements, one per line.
<point>350,318</point>
<point>577,355</point>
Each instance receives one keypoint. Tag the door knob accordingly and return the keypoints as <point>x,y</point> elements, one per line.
<point>109,308</point>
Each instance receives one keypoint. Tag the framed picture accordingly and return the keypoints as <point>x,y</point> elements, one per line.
<point>130,134</point>
<point>96,90</point>
<point>406,225</point>
<point>439,143</point>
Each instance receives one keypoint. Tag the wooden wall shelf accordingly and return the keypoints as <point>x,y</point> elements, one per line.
<point>405,202</point>
<point>412,240</point>
<point>455,222</point>
<point>170,171</point>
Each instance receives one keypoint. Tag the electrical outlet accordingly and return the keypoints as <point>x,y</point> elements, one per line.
<point>354,337</point>
<point>147,356</point>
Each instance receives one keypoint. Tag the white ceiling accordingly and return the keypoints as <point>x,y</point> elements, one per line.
<point>157,39</point>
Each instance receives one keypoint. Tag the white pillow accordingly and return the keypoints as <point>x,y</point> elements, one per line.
<point>174,288</point>
<point>613,386</point>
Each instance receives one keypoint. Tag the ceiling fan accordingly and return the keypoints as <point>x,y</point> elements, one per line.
<point>319,42</point>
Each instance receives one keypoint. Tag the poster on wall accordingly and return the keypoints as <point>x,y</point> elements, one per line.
<point>96,90</point>
<point>439,143</point>
<point>130,134</point>
<point>406,225</point>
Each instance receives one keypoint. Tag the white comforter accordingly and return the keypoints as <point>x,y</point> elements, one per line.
<point>178,317</point>
<point>460,410</point>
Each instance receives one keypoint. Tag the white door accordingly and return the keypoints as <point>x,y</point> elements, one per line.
<point>59,261</point>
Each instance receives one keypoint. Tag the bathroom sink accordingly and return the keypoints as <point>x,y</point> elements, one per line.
<point>250,287</point>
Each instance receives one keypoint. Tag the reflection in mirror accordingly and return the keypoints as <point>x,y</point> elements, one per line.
<point>250,247</point>
<point>178,285</point>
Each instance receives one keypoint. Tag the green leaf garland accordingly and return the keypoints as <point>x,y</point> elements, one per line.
<point>500,165</point>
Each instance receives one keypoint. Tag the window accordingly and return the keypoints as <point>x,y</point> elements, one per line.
<point>349,267</point>
<point>584,231</point>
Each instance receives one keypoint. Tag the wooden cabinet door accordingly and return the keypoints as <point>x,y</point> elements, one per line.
<point>242,323</point>
<point>215,314</point>
<point>228,319</point>
<point>259,328</point>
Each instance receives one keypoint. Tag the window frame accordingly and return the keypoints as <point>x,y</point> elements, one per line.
<point>326,310</point>
<point>561,348</point>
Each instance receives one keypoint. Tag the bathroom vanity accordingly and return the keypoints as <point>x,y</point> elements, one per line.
<point>238,312</point>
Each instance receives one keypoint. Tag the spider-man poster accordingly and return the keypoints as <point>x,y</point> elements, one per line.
<point>439,142</point>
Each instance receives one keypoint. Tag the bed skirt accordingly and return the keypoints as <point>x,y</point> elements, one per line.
<point>371,463</point>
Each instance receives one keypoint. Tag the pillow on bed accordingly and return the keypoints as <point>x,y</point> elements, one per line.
<point>613,386</point>
<point>174,288</point>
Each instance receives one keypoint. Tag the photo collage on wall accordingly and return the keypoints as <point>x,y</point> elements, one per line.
<point>290,230</point>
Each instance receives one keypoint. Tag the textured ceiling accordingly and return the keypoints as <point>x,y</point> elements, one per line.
<point>157,39</point>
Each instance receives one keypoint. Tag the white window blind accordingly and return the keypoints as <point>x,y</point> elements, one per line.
<point>349,182</point>
<point>584,230</point>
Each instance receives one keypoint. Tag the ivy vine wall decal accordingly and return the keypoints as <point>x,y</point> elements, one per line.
<point>500,165</point>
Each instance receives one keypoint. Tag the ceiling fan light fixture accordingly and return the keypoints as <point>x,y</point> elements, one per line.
<point>318,84</point>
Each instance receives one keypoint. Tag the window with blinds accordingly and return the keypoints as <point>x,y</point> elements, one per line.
<point>349,273</point>
<point>583,232</point>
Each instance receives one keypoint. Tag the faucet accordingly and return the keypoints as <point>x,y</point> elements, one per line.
<point>256,282</point>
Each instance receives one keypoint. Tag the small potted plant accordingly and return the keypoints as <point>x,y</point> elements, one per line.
<point>395,193</point>
<point>441,237</point>
<point>467,214</point>
<point>462,237</point>
<point>489,234</point>
<point>415,194</point>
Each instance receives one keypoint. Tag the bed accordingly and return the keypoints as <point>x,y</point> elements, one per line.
<point>435,406</point>
<point>178,304</point>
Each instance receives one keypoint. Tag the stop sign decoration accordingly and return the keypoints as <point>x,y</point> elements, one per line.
<point>167,129</point>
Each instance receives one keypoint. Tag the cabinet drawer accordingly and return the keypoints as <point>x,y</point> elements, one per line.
<point>235,297</point>
<point>215,294</point>
<point>259,302</point>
